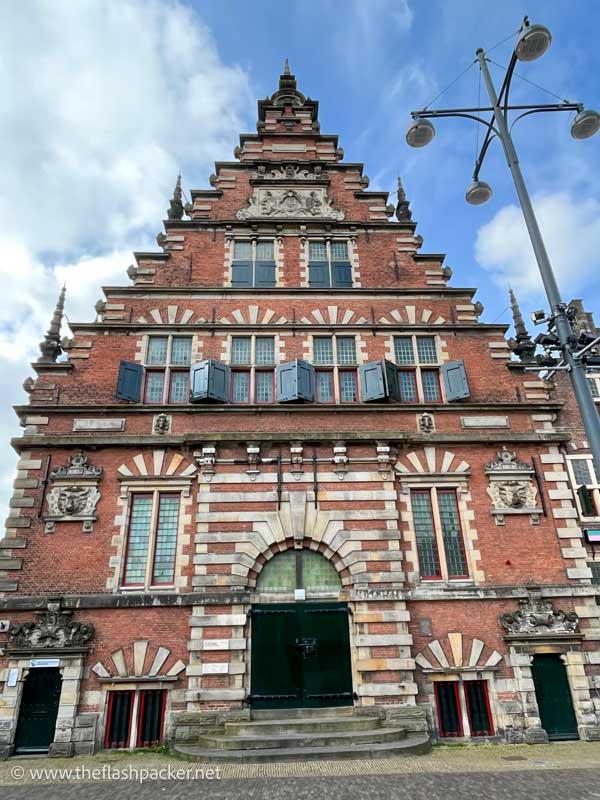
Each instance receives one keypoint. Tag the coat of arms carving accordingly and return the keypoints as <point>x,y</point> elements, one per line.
<point>537,617</point>
<point>53,630</point>
<point>74,494</point>
<point>512,489</point>
<point>290,203</point>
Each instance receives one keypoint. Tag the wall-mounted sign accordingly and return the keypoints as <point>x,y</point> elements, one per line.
<point>592,535</point>
<point>44,662</point>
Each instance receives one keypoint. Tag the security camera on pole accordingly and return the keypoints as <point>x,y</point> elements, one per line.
<point>532,42</point>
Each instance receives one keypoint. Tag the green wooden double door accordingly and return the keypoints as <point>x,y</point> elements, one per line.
<point>38,710</point>
<point>553,696</point>
<point>300,656</point>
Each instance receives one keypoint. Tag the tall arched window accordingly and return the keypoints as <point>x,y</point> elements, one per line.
<point>298,569</point>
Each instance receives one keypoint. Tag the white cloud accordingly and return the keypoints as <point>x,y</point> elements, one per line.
<point>102,104</point>
<point>571,231</point>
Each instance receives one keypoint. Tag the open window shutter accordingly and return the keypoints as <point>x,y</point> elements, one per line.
<point>372,381</point>
<point>391,375</point>
<point>129,383</point>
<point>455,380</point>
<point>209,380</point>
<point>342,275</point>
<point>586,500</point>
<point>241,274</point>
<point>306,381</point>
<point>265,274</point>
<point>318,275</point>
<point>286,382</point>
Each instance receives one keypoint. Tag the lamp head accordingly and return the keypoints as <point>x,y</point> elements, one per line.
<point>420,133</point>
<point>533,42</point>
<point>478,193</point>
<point>585,124</point>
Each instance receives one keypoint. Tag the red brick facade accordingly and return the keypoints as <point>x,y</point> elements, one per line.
<point>365,482</point>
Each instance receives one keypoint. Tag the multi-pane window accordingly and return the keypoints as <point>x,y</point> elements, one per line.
<point>595,569</point>
<point>167,369</point>
<point>587,484</point>
<point>332,356</point>
<point>440,545</point>
<point>253,264</point>
<point>594,384</point>
<point>151,540</point>
<point>329,265</point>
<point>147,706</point>
<point>252,375</point>
<point>453,698</point>
<point>418,376</point>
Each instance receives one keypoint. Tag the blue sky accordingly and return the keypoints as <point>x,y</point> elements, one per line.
<point>114,98</point>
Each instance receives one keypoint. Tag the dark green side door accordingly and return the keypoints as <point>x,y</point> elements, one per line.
<point>554,697</point>
<point>38,710</point>
<point>300,656</point>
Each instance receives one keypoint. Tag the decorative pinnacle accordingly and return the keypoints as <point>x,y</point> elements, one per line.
<point>403,212</point>
<point>175,210</point>
<point>50,346</point>
<point>522,346</point>
<point>286,67</point>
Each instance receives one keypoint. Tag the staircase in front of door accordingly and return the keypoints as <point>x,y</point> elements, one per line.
<point>305,734</point>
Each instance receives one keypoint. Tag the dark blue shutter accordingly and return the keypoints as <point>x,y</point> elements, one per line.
<point>295,380</point>
<point>318,275</point>
<point>372,381</point>
<point>209,380</point>
<point>241,274</point>
<point>129,383</point>
<point>342,275</point>
<point>455,380</point>
<point>265,274</point>
<point>391,375</point>
<point>306,381</point>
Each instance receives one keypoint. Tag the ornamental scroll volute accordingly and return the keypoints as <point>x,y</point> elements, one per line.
<point>53,630</point>
<point>512,488</point>
<point>538,617</point>
<point>74,494</point>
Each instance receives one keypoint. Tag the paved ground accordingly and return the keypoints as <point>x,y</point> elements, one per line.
<point>542,772</point>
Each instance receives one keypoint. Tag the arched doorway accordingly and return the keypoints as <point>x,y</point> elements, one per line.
<point>300,652</point>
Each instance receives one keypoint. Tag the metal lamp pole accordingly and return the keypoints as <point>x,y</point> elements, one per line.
<point>586,123</point>
<point>564,331</point>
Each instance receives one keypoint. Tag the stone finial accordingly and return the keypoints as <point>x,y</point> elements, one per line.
<point>286,67</point>
<point>175,210</point>
<point>522,345</point>
<point>50,346</point>
<point>403,212</point>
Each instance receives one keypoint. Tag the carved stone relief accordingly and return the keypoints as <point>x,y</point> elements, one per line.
<point>288,172</point>
<point>295,203</point>
<point>53,629</point>
<point>537,617</point>
<point>74,494</point>
<point>511,487</point>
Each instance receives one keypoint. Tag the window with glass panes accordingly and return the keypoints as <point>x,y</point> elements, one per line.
<point>440,545</point>
<point>253,264</point>
<point>450,699</point>
<point>151,539</point>
<point>587,485</point>
<point>418,376</point>
<point>329,264</point>
<point>333,356</point>
<point>167,375</point>
<point>252,363</point>
<point>594,384</point>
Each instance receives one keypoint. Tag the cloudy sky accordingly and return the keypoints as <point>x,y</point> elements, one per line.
<point>104,102</point>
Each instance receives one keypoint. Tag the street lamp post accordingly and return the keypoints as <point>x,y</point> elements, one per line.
<point>533,42</point>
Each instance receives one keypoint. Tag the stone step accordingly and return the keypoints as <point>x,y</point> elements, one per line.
<point>304,713</point>
<point>297,740</point>
<point>416,744</point>
<point>300,725</point>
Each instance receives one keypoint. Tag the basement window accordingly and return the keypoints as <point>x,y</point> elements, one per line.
<point>463,708</point>
<point>135,718</point>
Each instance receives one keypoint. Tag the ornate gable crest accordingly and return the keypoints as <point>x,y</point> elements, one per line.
<point>511,487</point>
<point>288,172</point>
<point>537,617</point>
<point>53,630</point>
<point>290,203</point>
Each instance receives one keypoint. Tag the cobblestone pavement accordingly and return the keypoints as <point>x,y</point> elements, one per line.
<point>537,772</point>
